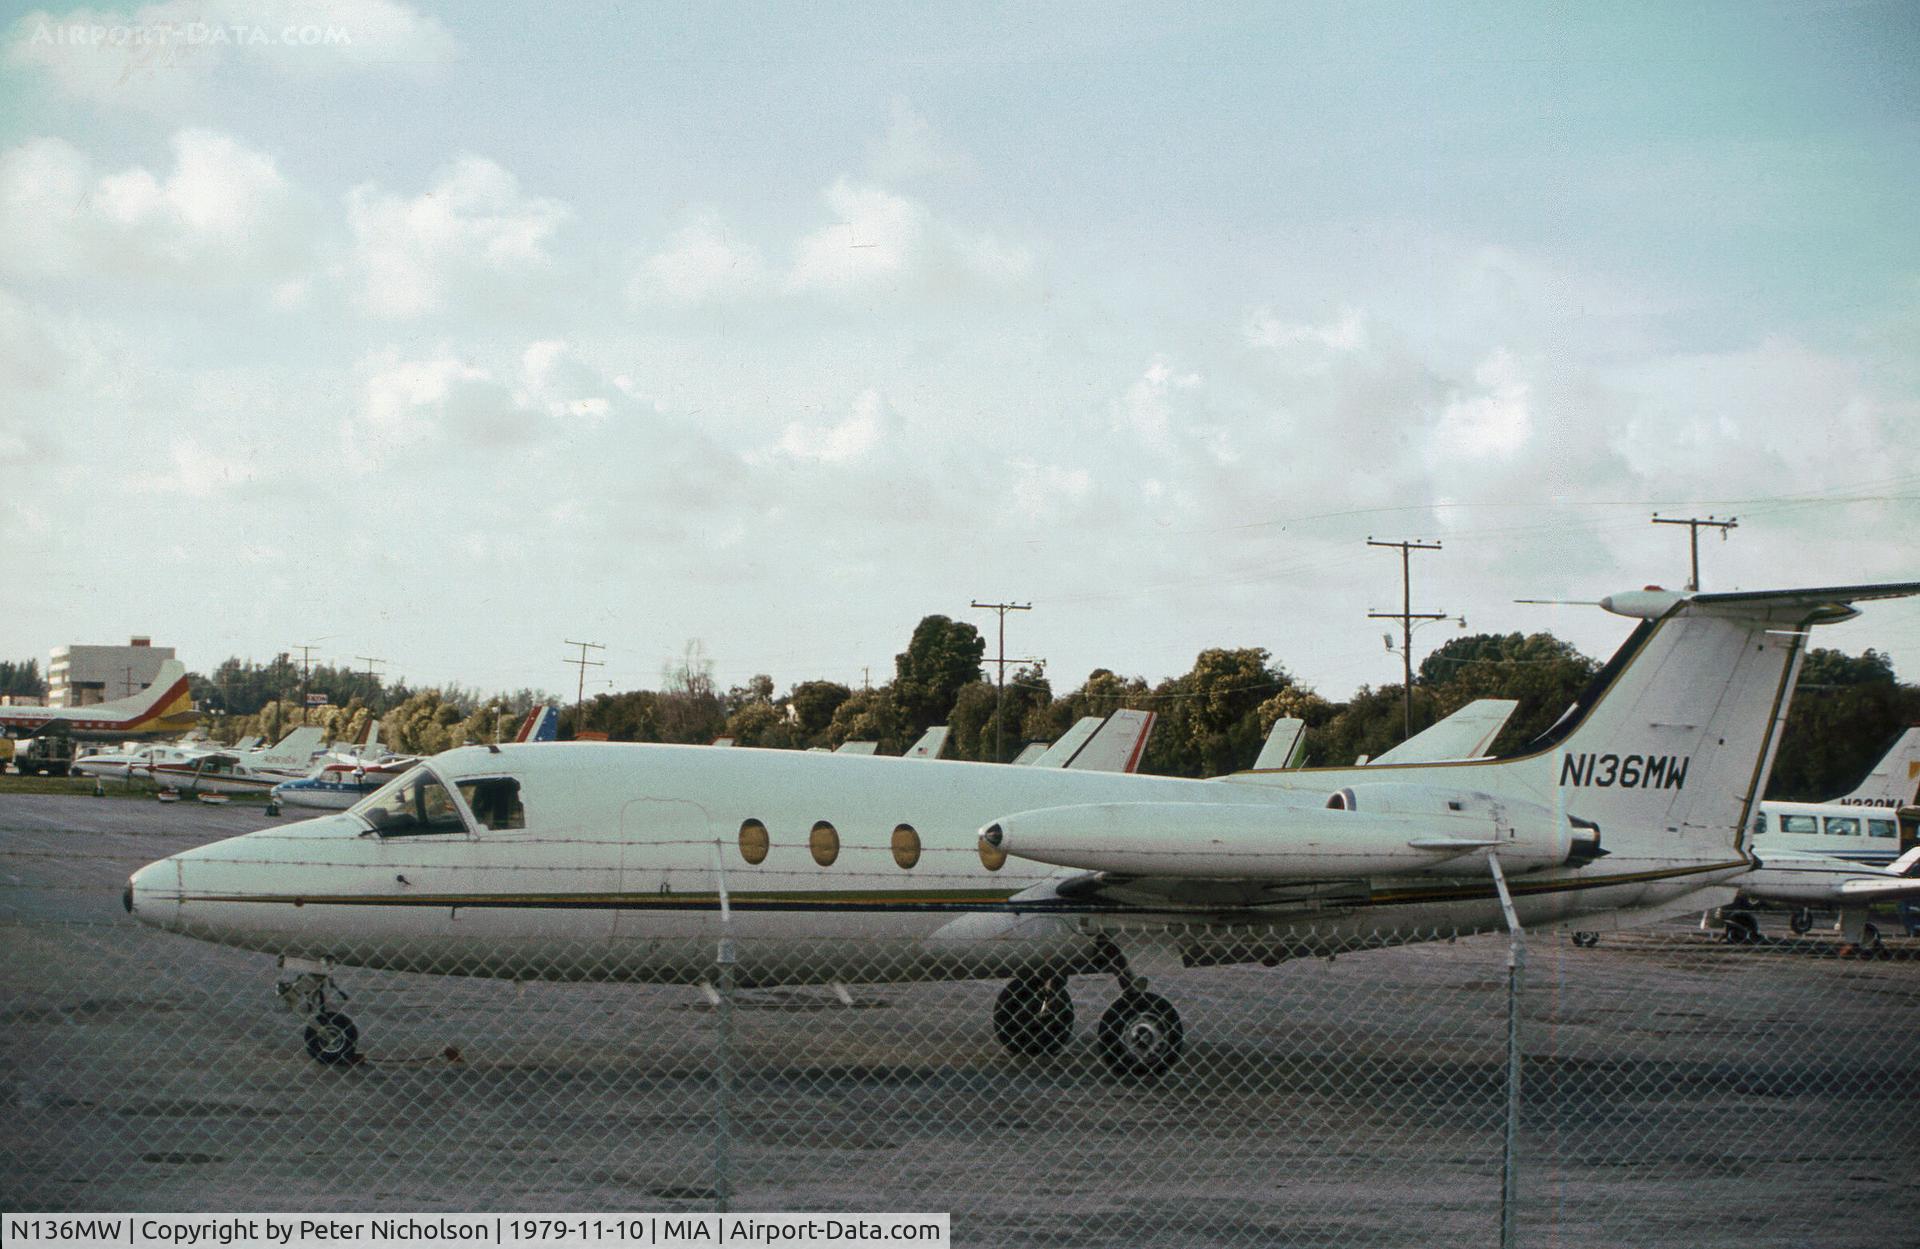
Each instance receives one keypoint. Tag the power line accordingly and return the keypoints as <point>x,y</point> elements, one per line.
<point>1406,616</point>
<point>1694,525</point>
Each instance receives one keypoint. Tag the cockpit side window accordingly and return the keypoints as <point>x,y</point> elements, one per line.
<point>416,804</point>
<point>495,802</point>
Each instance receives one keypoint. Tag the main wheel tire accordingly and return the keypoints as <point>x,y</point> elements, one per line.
<point>1586,940</point>
<point>1141,1036</point>
<point>332,1039</point>
<point>1801,922</point>
<point>1033,1016</point>
<point>1870,944</point>
<point>1742,929</point>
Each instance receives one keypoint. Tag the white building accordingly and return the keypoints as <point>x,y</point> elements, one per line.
<point>81,675</point>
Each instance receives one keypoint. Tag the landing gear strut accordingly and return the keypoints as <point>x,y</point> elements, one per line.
<point>1033,1016</point>
<point>331,1037</point>
<point>1801,921</point>
<point>1742,928</point>
<point>1140,1035</point>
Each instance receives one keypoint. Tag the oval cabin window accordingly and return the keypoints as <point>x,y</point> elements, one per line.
<point>825,844</point>
<point>906,846</point>
<point>992,856</point>
<point>754,841</point>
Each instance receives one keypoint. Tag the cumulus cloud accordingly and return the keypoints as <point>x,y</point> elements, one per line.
<point>1148,408</point>
<point>853,437</point>
<point>1306,347</point>
<point>473,227</point>
<point>880,238</point>
<point>702,262</point>
<point>221,215</point>
<point>1493,420</point>
<point>161,56</point>
<point>443,399</point>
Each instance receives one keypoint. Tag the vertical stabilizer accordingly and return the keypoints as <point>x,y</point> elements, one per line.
<point>1895,780</point>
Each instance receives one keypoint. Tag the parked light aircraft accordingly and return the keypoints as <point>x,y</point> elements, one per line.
<point>1812,854</point>
<point>679,864</point>
<point>162,709</point>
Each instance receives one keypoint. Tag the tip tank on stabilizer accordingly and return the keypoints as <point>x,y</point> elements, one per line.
<point>1415,832</point>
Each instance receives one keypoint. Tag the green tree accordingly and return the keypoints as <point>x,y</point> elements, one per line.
<point>942,656</point>
<point>762,724</point>
<point>1542,672</point>
<point>22,679</point>
<point>814,703</point>
<point>1846,710</point>
<point>869,716</point>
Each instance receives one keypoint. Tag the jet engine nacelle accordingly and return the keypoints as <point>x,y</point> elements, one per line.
<point>1366,831</point>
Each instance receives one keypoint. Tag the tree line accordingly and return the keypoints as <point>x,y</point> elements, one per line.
<point>1212,719</point>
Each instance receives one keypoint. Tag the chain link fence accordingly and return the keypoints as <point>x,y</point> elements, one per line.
<point>1673,1089</point>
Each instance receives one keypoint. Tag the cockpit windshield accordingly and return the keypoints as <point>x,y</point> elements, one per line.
<point>412,805</point>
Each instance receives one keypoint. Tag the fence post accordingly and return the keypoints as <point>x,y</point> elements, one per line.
<point>724,959</point>
<point>1516,967</point>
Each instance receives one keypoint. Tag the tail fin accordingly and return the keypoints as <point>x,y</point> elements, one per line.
<point>541,725</point>
<point>1068,744</point>
<point>1118,745</point>
<point>1285,743</point>
<point>1465,734</point>
<point>295,750</point>
<point>931,743</point>
<point>1677,736</point>
<point>1895,780</point>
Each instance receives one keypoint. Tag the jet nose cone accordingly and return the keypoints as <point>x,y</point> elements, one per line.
<point>150,891</point>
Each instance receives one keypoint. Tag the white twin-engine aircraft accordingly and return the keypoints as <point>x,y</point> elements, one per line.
<point>686,865</point>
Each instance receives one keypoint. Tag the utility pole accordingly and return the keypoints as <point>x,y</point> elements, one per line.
<point>1000,686</point>
<point>1406,616</point>
<point>129,678</point>
<point>1694,525</point>
<point>372,676</point>
<point>583,663</point>
<point>306,672</point>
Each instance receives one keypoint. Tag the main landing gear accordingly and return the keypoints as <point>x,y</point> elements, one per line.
<point>1033,1016</point>
<point>331,1038</point>
<point>1140,1035</point>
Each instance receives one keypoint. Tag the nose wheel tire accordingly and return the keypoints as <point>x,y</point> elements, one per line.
<point>1033,1016</point>
<point>332,1039</point>
<point>1141,1036</point>
<point>1801,922</point>
<point>1586,940</point>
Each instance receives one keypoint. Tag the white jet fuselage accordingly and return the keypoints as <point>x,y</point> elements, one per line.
<point>632,863</point>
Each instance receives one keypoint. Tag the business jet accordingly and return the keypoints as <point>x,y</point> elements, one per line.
<point>683,865</point>
<point>164,708</point>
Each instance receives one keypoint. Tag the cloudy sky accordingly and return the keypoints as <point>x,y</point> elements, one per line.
<point>443,336</point>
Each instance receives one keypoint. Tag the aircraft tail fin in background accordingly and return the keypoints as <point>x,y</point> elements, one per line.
<point>295,750</point>
<point>1465,734</point>
<point>1118,745</point>
<point>1285,747</point>
<point>541,725</point>
<point>1895,780</point>
<point>931,743</point>
<point>1068,744</point>
<point>1029,754</point>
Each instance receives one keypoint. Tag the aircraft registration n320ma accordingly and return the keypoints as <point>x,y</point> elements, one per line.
<point>684,864</point>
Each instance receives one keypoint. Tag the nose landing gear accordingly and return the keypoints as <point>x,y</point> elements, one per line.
<point>331,1038</point>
